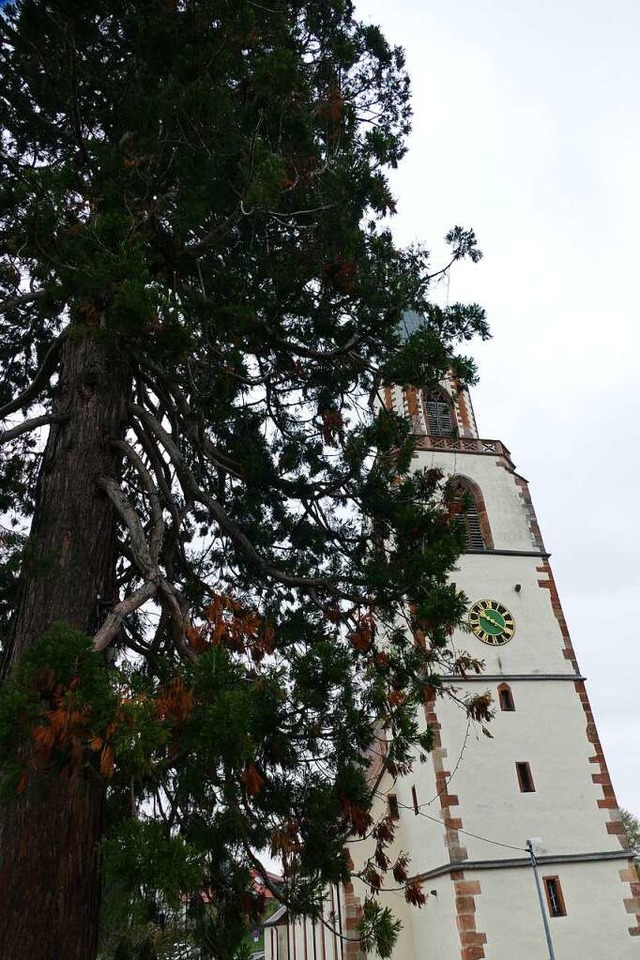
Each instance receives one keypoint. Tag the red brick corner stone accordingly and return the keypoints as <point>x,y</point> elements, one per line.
<point>471,940</point>
<point>613,825</point>
<point>353,914</point>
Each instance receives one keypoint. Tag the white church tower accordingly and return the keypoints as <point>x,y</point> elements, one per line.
<point>464,816</point>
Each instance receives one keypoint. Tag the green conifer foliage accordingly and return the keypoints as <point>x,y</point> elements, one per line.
<point>199,311</point>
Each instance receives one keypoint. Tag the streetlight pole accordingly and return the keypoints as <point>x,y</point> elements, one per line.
<point>545,920</point>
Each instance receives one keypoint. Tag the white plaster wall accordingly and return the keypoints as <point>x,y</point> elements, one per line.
<point>397,395</point>
<point>505,508</point>
<point>547,730</point>
<point>407,947</point>
<point>424,833</point>
<point>508,912</point>
<point>361,849</point>
<point>435,932</point>
<point>537,645</point>
<point>405,840</point>
<point>596,925</point>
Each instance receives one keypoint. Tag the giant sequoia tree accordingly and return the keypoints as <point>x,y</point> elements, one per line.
<point>215,561</point>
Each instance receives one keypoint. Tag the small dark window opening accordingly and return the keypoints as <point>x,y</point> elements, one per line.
<point>525,780</point>
<point>439,416</point>
<point>505,698</point>
<point>555,900</point>
<point>394,808</point>
<point>414,797</point>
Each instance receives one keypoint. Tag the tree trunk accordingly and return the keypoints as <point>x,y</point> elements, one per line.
<point>49,869</point>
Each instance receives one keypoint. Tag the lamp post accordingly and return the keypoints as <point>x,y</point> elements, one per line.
<point>545,919</point>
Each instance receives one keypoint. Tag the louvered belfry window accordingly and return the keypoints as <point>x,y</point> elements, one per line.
<point>475,539</point>
<point>470,518</point>
<point>439,415</point>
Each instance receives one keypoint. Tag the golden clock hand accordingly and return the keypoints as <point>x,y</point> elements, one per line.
<point>488,615</point>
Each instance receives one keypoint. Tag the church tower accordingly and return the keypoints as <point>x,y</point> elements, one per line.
<point>465,814</point>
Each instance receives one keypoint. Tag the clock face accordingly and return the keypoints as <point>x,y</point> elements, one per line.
<point>491,622</point>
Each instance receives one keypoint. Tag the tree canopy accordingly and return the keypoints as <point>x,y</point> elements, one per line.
<point>215,557</point>
<point>632,826</point>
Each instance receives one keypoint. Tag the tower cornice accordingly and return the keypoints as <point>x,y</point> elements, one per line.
<point>475,445</point>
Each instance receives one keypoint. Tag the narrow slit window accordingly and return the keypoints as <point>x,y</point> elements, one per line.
<point>393,806</point>
<point>525,780</point>
<point>414,797</point>
<point>555,899</point>
<point>505,698</point>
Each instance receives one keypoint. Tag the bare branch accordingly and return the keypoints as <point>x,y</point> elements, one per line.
<point>177,608</point>
<point>42,376</point>
<point>114,619</point>
<point>27,425</point>
<point>20,300</point>
<point>172,543</point>
<point>131,520</point>
<point>445,269</point>
<point>160,468</point>
<point>302,351</point>
<point>199,437</point>
<point>157,532</point>
<point>213,236</point>
<point>161,434</point>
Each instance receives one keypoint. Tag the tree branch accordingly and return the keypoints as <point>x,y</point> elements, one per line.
<point>160,469</point>
<point>21,300</point>
<point>172,543</point>
<point>42,376</point>
<point>157,531</point>
<point>246,548</point>
<point>130,519</point>
<point>27,425</point>
<point>178,614</point>
<point>114,619</point>
<point>301,351</point>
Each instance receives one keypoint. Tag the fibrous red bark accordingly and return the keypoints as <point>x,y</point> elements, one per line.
<point>49,835</point>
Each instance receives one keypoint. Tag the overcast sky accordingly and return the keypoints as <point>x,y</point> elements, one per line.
<point>527,128</point>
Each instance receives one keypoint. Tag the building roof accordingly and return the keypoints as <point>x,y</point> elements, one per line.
<point>279,916</point>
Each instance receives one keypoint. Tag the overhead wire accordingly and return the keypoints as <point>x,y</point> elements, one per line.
<point>418,811</point>
<point>428,803</point>
<point>468,833</point>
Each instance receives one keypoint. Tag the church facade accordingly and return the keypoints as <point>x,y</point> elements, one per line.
<point>465,816</point>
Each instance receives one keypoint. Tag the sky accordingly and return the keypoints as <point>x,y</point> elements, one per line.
<point>527,128</point>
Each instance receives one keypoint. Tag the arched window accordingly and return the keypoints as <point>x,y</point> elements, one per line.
<point>473,514</point>
<point>439,412</point>
<point>505,697</point>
